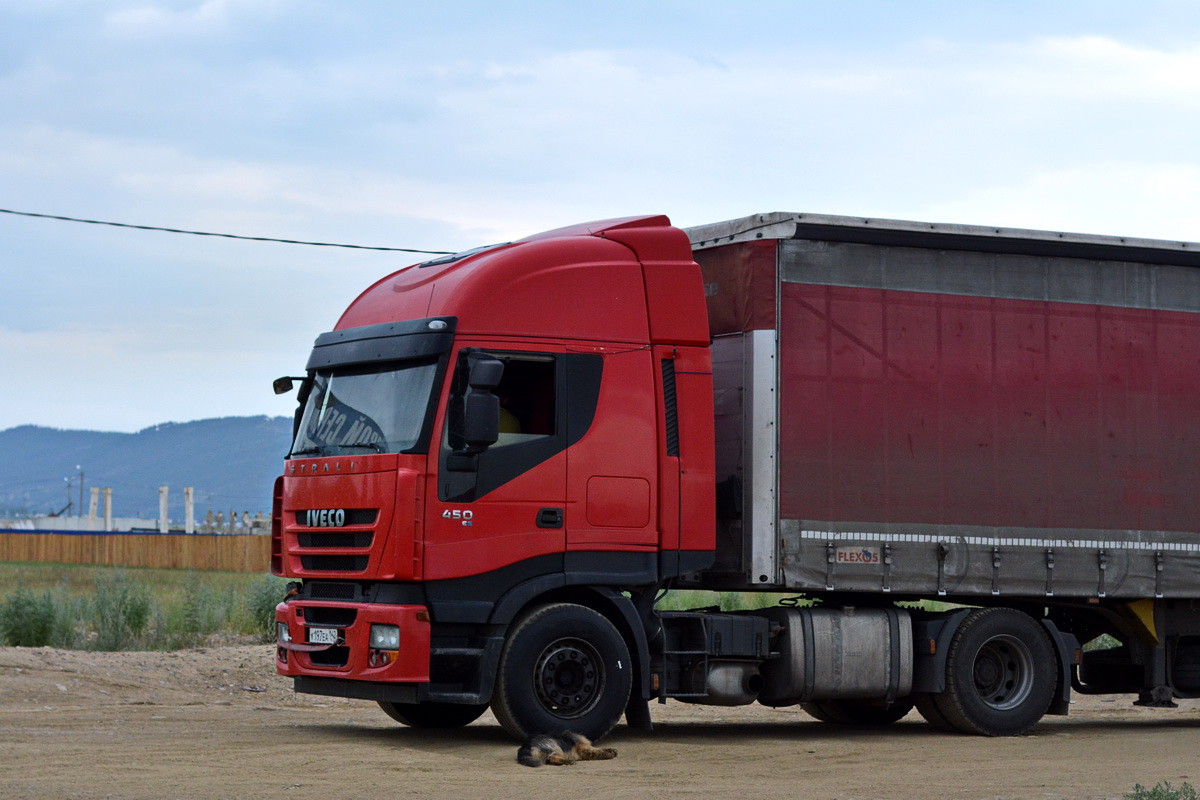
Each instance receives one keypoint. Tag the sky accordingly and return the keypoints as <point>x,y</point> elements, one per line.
<point>445,126</point>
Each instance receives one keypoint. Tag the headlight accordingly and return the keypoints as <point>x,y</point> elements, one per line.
<point>385,637</point>
<point>282,634</point>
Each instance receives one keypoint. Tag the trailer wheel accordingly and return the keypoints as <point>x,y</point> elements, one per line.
<point>433,715</point>
<point>1000,674</point>
<point>564,667</point>
<point>865,713</point>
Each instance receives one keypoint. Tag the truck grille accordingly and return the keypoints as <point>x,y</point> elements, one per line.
<point>332,591</point>
<point>339,563</point>
<point>318,540</point>
<point>333,657</point>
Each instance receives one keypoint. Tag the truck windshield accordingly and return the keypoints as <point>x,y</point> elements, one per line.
<point>378,409</point>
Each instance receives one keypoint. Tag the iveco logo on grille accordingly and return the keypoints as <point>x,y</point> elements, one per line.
<point>325,517</point>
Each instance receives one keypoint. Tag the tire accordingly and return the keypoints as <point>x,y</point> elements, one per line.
<point>564,667</point>
<point>863,713</point>
<point>1001,674</point>
<point>1185,669</point>
<point>433,716</point>
<point>927,706</point>
<point>819,712</point>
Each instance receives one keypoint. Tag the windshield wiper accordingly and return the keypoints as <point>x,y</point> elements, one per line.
<point>372,445</point>
<point>307,451</point>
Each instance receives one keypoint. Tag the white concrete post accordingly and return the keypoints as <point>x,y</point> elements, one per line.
<point>93,502</point>
<point>108,510</point>
<point>162,509</point>
<point>189,509</point>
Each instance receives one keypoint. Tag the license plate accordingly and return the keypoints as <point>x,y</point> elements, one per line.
<point>322,635</point>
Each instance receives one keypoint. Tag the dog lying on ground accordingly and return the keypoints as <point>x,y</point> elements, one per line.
<point>561,750</point>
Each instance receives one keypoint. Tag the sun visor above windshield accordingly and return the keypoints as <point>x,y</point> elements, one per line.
<point>389,341</point>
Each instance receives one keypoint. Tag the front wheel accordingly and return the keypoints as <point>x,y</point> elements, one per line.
<point>1001,674</point>
<point>564,667</point>
<point>433,716</point>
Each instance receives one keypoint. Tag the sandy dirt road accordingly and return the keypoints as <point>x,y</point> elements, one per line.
<point>218,723</point>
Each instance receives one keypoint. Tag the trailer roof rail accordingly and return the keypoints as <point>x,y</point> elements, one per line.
<point>944,236</point>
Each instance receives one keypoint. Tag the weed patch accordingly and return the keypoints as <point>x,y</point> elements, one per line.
<point>32,620</point>
<point>258,607</point>
<point>120,611</point>
<point>106,608</point>
<point>1163,791</point>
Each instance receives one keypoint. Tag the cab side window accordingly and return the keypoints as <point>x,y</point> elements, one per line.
<point>527,399</point>
<point>547,402</point>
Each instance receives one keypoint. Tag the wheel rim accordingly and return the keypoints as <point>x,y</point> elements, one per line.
<point>1003,672</point>
<point>569,678</point>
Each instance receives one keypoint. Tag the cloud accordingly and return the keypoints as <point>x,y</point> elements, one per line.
<point>1117,193</point>
<point>182,18</point>
<point>1093,67</point>
<point>449,127</point>
<point>105,378</point>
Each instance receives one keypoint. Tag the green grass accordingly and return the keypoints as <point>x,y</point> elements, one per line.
<point>108,608</point>
<point>29,619</point>
<point>1102,642</point>
<point>688,599</point>
<point>1163,791</point>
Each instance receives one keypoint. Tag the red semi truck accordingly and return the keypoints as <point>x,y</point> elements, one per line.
<point>504,457</point>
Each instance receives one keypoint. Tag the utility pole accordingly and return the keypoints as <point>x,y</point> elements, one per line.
<point>80,489</point>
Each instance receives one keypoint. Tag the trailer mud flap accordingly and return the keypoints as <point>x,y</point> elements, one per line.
<point>1069,651</point>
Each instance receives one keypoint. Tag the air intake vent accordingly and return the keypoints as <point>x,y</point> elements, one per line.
<point>334,563</point>
<point>362,539</point>
<point>331,591</point>
<point>333,657</point>
<point>326,616</point>
<point>672,410</point>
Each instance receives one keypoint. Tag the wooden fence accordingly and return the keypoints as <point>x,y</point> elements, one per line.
<point>230,552</point>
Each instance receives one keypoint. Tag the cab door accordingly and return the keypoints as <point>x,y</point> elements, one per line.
<point>503,508</point>
<point>612,473</point>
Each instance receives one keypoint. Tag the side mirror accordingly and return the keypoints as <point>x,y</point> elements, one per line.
<point>481,419</point>
<point>476,425</point>
<point>284,385</point>
<point>484,371</point>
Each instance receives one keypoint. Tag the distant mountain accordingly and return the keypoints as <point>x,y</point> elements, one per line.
<point>231,462</point>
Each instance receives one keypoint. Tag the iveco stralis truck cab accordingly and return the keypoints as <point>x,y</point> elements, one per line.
<point>528,423</point>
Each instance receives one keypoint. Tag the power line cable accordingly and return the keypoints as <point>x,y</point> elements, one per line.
<point>221,235</point>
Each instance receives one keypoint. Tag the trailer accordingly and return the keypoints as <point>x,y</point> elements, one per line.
<point>961,452</point>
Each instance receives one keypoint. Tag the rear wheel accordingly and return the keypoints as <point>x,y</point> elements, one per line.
<point>433,715</point>
<point>1000,674</point>
<point>866,713</point>
<point>564,667</point>
<point>927,706</point>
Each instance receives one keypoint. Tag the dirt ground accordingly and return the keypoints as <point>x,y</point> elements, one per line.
<point>218,723</point>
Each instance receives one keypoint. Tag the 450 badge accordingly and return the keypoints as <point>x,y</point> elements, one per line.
<point>466,516</point>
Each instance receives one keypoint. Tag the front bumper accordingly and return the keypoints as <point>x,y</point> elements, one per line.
<point>351,657</point>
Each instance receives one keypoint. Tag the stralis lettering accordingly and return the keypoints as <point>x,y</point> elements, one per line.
<point>325,517</point>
